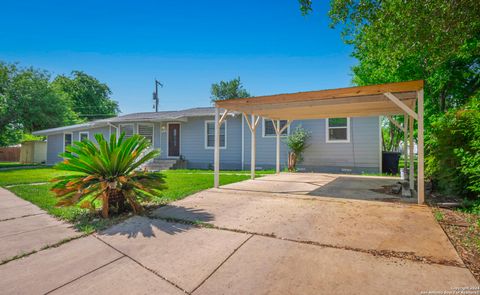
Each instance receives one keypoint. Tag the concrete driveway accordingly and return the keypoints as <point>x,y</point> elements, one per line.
<point>280,234</point>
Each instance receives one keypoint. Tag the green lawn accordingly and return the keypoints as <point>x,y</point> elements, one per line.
<point>179,184</point>
<point>33,175</point>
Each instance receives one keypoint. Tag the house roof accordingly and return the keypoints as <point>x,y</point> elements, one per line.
<point>135,117</point>
<point>359,101</point>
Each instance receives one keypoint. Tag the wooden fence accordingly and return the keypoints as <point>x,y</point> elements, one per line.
<point>10,154</point>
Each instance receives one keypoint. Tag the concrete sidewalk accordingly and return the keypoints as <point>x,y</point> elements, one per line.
<point>24,228</point>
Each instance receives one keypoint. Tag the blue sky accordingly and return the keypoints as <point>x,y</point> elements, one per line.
<point>188,45</point>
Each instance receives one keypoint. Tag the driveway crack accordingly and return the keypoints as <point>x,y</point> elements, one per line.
<point>223,262</point>
<point>141,265</point>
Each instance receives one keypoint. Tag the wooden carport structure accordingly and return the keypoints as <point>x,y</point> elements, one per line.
<point>403,98</point>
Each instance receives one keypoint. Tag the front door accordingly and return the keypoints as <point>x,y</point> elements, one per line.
<point>174,140</point>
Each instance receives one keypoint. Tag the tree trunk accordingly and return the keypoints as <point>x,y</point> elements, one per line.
<point>292,161</point>
<point>105,205</point>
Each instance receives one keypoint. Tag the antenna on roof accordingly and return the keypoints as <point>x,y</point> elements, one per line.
<point>155,95</point>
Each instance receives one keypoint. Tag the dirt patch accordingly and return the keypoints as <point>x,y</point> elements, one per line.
<point>463,230</point>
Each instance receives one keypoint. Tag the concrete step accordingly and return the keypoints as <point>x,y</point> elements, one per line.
<point>160,164</point>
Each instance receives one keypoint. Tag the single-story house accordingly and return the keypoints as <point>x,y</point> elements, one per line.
<point>343,145</point>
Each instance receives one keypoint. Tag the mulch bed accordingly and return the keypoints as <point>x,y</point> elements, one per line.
<point>463,230</point>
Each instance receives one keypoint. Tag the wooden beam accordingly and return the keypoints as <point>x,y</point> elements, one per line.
<point>324,102</point>
<point>395,122</point>
<point>325,94</point>
<point>248,121</point>
<point>286,126</point>
<point>224,115</point>
<point>401,105</point>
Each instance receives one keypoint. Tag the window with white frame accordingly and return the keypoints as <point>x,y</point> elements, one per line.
<point>210,134</point>
<point>127,129</point>
<point>67,140</point>
<point>146,130</point>
<point>338,129</point>
<point>83,136</point>
<point>269,129</point>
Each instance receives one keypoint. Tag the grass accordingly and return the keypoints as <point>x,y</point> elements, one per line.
<point>32,175</point>
<point>179,184</point>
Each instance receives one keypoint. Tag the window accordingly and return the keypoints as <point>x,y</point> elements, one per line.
<point>67,140</point>
<point>210,135</point>
<point>338,129</point>
<point>146,130</point>
<point>269,130</point>
<point>83,136</point>
<point>127,129</point>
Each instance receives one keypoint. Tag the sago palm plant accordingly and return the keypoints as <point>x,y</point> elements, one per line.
<point>107,172</point>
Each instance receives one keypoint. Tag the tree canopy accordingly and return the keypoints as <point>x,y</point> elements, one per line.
<point>89,98</point>
<point>30,101</point>
<point>396,40</point>
<point>228,89</point>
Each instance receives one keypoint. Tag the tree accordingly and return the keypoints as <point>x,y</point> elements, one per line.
<point>107,171</point>
<point>28,103</point>
<point>89,98</point>
<point>227,90</point>
<point>396,40</point>
<point>434,40</point>
<point>297,143</point>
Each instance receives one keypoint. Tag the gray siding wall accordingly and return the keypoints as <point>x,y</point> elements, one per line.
<point>361,154</point>
<point>192,143</point>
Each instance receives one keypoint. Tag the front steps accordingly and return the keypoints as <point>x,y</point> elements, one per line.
<point>165,164</point>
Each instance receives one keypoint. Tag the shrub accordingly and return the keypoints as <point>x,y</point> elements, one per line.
<point>108,171</point>
<point>453,160</point>
<point>297,143</point>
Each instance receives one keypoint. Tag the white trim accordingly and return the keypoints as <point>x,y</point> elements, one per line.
<point>327,127</point>
<point>274,135</point>
<point>153,130</point>
<point>63,139</point>
<point>179,140</point>
<point>125,124</point>
<point>83,132</point>
<point>206,135</point>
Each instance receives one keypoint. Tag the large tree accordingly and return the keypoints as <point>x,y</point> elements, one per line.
<point>396,40</point>
<point>228,89</point>
<point>89,98</point>
<point>28,102</point>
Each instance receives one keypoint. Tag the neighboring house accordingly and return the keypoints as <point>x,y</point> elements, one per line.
<point>336,145</point>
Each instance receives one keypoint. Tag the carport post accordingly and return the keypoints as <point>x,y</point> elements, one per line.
<point>254,145</point>
<point>420,172</point>
<point>411,167</point>
<point>405,146</point>
<point>277,132</point>
<point>216,164</point>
